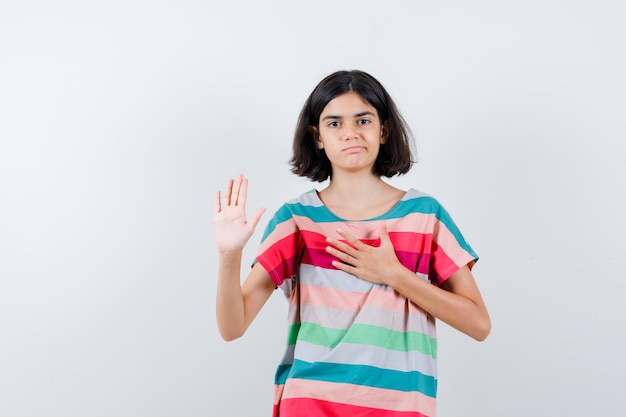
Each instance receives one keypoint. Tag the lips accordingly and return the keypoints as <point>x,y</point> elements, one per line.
<point>352,149</point>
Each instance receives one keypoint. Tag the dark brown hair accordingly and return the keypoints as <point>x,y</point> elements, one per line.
<point>395,156</point>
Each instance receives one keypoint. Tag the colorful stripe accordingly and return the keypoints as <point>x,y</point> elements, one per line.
<point>315,408</point>
<point>369,397</point>
<point>353,354</point>
<point>364,375</point>
<point>354,347</point>
<point>363,335</point>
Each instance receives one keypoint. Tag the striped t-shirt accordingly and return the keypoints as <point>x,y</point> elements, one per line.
<point>355,348</point>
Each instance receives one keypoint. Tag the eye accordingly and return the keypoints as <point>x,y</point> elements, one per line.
<point>363,122</point>
<point>333,124</point>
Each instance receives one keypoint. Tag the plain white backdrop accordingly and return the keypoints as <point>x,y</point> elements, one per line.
<point>120,119</point>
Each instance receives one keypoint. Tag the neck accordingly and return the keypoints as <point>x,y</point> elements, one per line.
<point>355,188</point>
<point>355,191</point>
<point>359,197</point>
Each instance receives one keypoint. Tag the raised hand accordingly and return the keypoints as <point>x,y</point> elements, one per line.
<point>232,229</point>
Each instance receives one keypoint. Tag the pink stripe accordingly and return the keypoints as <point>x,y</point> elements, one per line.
<point>450,245</point>
<point>417,222</point>
<point>299,407</point>
<point>318,257</point>
<point>378,297</point>
<point>279,261</point>
<point>278,393</point>
<point>360,396</point>
<point>445,265</point>
<point>281,231</point>
<point>411,241</point>
<point>314,240</point>
<point>360,230</point>
<point>412,249</point>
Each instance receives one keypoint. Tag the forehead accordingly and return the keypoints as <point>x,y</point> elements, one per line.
<point>348,104</point>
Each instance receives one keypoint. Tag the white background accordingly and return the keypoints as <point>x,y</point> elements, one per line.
<point>120,119</point>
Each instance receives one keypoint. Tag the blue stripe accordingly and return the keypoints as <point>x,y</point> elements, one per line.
<point>423,204</point>
<point>282,373</point>
<point>369,376</point>
<point>429,205</point>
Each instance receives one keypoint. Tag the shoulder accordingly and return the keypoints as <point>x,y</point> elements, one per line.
<point>415,200</point>
<point>300,203</point>
<point>307,204</point>
<point>422,203</point>
<point>293,215</point>
<point>307,199</point>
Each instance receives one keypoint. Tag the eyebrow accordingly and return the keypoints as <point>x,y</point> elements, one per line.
<point>365,113</point>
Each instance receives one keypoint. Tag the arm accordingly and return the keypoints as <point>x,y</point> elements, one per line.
<point>237,305</point>
<point>458,303</point>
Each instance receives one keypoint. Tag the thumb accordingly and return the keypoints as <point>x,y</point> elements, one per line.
<point>254,220</point>
<point>384,233</point>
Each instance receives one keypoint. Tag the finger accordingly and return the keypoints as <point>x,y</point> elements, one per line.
<point>344,267</point>
<point>254,220</point>
<point>234,198</point>
<point>341,246</point>
<point>384,233</point>
<point>226,198</point>
<point>243,193</point>
<point>218,206</point>
<point>356,243</point>
<point>342,256</point>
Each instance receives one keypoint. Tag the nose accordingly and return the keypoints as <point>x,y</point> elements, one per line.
<point>350,132</point>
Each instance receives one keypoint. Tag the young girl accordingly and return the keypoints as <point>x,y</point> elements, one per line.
<point>367,267</point>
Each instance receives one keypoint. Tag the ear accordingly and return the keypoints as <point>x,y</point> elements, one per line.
<point>384,132</point>
<point>316,136</point>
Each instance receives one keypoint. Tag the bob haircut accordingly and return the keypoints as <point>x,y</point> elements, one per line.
<point>395,156</point>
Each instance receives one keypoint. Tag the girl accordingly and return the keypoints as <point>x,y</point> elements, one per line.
<point>367,267</point>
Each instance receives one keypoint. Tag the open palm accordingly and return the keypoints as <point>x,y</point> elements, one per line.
<point>232,229</point>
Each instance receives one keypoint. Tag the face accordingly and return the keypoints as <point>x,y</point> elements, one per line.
<point>350,133</point>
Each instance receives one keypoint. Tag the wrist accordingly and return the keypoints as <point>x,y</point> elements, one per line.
<point>231,254</point>
<point>397,275</point>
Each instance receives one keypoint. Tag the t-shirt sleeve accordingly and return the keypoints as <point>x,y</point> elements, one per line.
<point>450,251</point>
<point>280,248</point>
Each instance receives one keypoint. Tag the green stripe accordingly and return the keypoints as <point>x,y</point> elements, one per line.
<point>363,334</point>
<point>292,334</point>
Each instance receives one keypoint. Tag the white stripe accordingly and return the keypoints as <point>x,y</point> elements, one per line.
<point>353,354</point>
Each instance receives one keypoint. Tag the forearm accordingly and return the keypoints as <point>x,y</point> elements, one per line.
<point>463,313</point>
<point>230,301</point>
<point>237,304</point>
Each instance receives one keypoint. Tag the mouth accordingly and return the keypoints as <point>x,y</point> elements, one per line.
<point>352,149</point>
